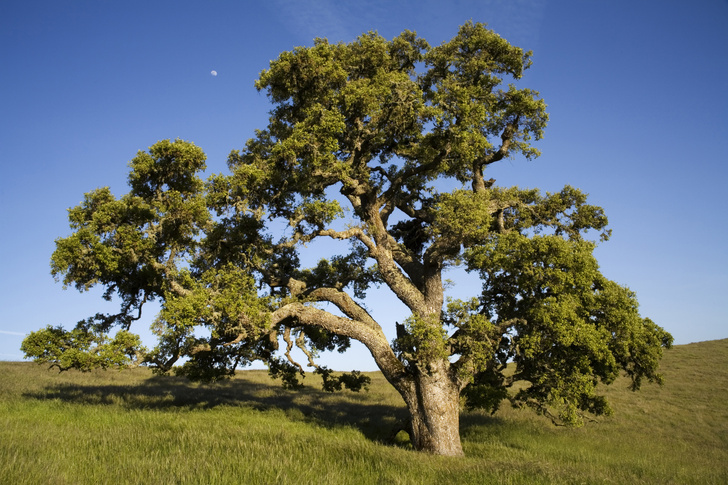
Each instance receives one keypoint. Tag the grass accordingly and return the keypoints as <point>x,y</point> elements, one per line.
<point>132,427</point>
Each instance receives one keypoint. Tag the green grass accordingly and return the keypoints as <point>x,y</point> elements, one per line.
<point>131,427</point>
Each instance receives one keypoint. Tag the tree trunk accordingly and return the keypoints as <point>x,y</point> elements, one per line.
<point>433,400</point>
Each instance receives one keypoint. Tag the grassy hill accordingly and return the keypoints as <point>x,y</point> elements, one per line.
<point>131,427</point>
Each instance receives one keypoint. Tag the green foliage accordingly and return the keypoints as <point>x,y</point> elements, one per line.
<point>354,381</point>
<point>462,217</point>
<point>462,86</point>
<point>82,349</point>
<point>568,328</point>
<point>224,301</point>
<point>342,272</point>
<point>168,167</point>
<point>286,372</point>
<point>132,245</point>
<point>423,340</point>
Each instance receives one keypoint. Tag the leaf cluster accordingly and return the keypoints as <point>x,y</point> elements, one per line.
<point>131,246</point>
<point>568,328</point>
<point>82,349</point>
<point>421,341</point>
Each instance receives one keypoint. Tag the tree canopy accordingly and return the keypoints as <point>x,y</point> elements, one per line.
<point>382,144</point>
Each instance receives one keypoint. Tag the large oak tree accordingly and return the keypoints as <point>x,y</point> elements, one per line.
<point>383,144</point>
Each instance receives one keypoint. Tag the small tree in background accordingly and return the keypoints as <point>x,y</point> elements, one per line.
<point>382,144</point>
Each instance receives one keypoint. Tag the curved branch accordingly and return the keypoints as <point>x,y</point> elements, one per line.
<point>373,339</point>
<point>352,232</point>
<point>346,304</point>
<point>301,344</point>
<point>407,292</point>
<point>385,258</point>
<point>289,347</point>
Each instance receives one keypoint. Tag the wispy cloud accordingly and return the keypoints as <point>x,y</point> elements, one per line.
<point>309,19</point>
<point>334,20</point>
<point>7,332</point>
<point>522,19</point>
<point>519,21</point>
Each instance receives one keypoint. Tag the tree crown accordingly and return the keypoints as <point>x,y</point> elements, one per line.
<point>383,144</point>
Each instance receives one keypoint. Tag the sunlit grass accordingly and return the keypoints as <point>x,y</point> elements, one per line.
<point>132,427</point>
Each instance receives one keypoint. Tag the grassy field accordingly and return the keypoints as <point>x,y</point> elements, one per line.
<point>131,427</point>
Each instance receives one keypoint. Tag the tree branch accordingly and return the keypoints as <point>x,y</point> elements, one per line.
<point>373,339</point>
<point>289,347</point>
<point>413,171</point>
<point>479,184</point>
<point>352,232</point>
<point>346,304</point>
<point>301,344</point>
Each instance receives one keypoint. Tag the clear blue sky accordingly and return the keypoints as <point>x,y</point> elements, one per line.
<point>637,94</point>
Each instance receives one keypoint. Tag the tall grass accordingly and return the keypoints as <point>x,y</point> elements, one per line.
<point>132,427</point>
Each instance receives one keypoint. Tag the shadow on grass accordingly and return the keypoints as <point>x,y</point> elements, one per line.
<point>377,421</point>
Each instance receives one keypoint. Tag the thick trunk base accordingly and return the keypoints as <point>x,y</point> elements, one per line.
<point>434,405</point>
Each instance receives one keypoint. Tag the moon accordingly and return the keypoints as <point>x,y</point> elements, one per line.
<point>214,73</point>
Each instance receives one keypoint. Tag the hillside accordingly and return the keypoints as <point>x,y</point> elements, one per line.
<point>132,427</point>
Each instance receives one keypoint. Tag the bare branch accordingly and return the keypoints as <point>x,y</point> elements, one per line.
<point>237,340</point>
<point>373,339</point>
<point>346,304</point>
<point>301,344</point>
<point>289,347</point>
<point>352,232</point>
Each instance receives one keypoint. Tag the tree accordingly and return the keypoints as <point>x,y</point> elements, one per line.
<point>384,145</point>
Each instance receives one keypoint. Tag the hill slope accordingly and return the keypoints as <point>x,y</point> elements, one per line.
<point>131,427</point>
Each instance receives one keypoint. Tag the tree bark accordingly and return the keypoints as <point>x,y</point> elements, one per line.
<point>433,401</point>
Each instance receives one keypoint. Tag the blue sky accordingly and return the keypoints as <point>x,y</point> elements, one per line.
<point>636,93</point>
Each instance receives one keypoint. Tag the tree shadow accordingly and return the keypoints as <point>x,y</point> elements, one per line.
<point>377,421</point>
